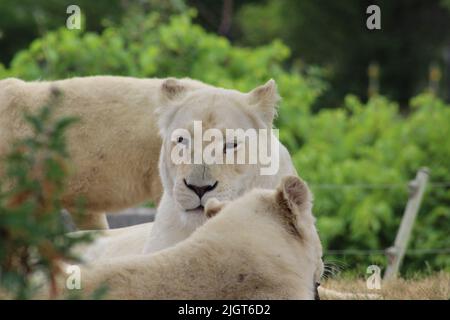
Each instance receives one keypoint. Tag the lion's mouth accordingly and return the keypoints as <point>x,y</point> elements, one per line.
<point>198,209</point>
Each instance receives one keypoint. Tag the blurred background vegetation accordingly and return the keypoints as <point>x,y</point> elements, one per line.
<point>362,110</point>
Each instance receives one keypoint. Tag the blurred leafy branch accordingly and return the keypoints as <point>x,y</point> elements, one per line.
<point>33,239</point>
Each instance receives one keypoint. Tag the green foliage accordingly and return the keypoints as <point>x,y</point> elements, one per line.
<point>33,236</point>
<point>145,46</point>
<point>22,21</point>
<point>371,143</point>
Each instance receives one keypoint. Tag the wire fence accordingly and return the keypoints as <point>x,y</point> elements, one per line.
<point>359,252</point>
<point>444,184</point>
<point>386,186</point>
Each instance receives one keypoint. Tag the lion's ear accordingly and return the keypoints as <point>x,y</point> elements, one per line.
<point>265,98</point>
<point>213,206</point>
<point>294,201</point>
<point>295,192</point>
<point>172,89</point>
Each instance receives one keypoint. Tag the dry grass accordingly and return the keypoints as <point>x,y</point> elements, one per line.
<point>436,287</point>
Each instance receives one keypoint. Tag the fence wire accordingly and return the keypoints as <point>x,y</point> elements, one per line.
<point>362,252</point>
<point>368,252</point>
<point>443,184</point>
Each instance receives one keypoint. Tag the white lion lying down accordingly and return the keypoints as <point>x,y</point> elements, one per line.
<point>263,245</point>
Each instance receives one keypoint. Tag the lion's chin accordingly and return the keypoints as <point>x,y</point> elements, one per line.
<point>197,210</point>
<point>193,218</point>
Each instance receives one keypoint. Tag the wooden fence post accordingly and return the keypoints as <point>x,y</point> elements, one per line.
<point>373,71</point>
<point>396,253</point>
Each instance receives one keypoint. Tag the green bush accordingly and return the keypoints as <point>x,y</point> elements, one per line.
<point>147,46</point>
<point>373,144</point>
<point>360,143</point>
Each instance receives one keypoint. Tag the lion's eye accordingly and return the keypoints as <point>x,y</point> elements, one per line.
<point>182,140</point>
<point>229,145</point>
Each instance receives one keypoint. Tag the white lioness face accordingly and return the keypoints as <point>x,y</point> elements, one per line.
<point>192,184</point>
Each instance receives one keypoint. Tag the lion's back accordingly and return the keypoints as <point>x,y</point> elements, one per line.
<point>116,128</point>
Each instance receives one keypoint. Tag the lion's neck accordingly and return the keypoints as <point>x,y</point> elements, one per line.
<point>171,226</point>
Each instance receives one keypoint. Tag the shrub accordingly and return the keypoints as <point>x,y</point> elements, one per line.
<point>374,144</point>
<point>33,236</point>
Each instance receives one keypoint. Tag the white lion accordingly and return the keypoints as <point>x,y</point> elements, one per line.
<point>187,187</point>
<point>263,245</point>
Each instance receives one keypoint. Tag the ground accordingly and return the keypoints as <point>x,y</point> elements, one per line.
<point>434,287</point>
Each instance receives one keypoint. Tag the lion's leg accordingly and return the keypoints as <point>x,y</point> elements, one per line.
<point>92,221</point>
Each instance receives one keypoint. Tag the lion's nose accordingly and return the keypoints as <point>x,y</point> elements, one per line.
<point>201,190</point>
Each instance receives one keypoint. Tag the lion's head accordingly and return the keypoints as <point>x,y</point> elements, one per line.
<point>190,184</point>
<point>280,220</point>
